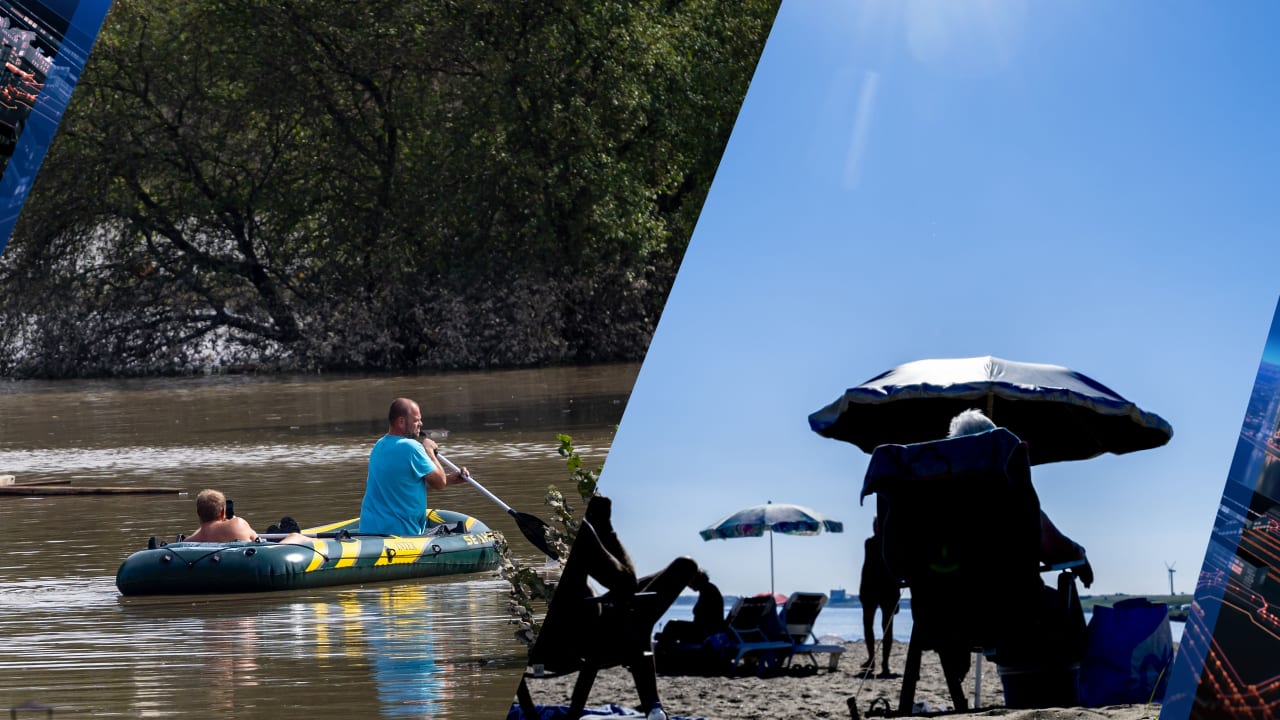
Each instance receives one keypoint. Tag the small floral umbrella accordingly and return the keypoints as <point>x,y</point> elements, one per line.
<point>780,518</point>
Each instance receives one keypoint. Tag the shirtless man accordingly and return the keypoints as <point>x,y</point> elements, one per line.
<point>215,526</point>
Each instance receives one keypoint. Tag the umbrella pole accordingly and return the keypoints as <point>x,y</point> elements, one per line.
<point>770,562</point>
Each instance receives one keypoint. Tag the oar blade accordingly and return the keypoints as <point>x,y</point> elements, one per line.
<point>531,526</point>
<point>535,529</point>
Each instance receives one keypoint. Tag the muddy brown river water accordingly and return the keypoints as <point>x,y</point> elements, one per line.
<point>278,446</point>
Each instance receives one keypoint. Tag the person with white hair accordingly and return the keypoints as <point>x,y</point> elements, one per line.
<point>1055,547</point>
<point>970,422</point>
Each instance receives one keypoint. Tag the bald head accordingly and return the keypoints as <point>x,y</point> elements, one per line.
<point>404,418</point>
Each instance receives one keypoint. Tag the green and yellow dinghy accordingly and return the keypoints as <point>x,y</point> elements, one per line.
<point>338,554</point>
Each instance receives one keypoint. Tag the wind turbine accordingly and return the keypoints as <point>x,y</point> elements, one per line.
<point>1169,567</point>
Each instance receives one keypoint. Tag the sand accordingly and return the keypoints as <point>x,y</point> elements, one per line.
<point>819,695</point>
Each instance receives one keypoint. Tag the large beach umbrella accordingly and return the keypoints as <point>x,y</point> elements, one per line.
<point>1061,414</point>
<point>771,518</point>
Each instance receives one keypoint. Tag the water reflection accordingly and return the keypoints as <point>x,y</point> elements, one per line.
<point>228,667</point>
<point>379,638</point>
<point>398,633</point>
<point>418,650</point>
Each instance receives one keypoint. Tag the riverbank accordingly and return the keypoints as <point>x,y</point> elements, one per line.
<point>818,695</point>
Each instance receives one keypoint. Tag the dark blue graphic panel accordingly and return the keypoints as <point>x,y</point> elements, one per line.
<point>1228,664</point>
<point>43,49</point>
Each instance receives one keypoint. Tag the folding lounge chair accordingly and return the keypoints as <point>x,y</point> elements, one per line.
<point>628,647</point>
<point>962,529</point>
<point>798,616</point>
<point>617,632</point>
<point>755,630</point>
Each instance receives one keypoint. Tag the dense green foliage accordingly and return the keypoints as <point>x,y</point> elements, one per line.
<point>321,184</point>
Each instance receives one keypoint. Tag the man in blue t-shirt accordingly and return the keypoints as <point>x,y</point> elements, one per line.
<point>401,468</point>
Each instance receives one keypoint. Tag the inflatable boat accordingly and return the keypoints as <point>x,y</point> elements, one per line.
<point>336,554</point>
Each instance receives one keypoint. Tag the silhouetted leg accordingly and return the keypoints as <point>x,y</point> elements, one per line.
<point>667,584</point>
<point>527,708</point>
<point>910,674</point>
<point>955,666</point>
<point>581,690</point>
<point>591,556</point>
<point>630,632</point>
<point>869,632</point>
<point>646,680</point>
<point>886,636</point>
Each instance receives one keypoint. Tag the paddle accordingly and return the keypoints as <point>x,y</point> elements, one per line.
<point>532,526</point>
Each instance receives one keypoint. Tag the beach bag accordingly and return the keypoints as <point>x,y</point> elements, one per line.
<point>1129,651</point>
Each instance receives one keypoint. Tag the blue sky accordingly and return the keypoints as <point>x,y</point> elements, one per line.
<point>1086,184</point>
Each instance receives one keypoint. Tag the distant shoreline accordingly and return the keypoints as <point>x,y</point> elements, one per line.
<point>1175,602</point>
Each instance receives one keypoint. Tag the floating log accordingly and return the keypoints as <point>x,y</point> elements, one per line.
<point>7,480</point>
<point>44,490</point>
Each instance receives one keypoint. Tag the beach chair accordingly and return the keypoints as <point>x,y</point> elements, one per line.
<point>961,525</point>
<point>623,642</point>
<point>798,617</point>
<point>755,631</point>
<point>589,635</point>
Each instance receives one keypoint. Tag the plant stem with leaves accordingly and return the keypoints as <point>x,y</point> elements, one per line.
<point>529,588</point>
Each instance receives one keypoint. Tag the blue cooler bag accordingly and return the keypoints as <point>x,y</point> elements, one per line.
<point>1130,648</point>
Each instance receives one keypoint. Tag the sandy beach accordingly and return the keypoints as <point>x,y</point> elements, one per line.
<point>820,695</point>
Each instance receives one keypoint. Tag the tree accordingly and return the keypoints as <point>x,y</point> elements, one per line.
<point>385,184</point>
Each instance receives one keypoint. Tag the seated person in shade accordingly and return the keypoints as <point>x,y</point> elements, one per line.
<point>708,611</point>
<point>708,615</point>
<point>577,626</point>
<point>1055,547</point>
<point>215,526</point>
<point>1061,634</point>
